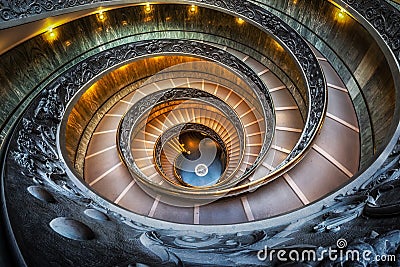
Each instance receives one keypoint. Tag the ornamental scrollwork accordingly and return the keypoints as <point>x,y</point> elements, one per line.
<point>11,10</point>
<point>384,18</point>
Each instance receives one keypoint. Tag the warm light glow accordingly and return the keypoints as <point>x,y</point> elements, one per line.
<point>124,23</point>
<point>101,16</point>
<point>278,46</point>
<point>193,9</point>
<point>240,21</point>
<point>123,68</point>
<point>182,147</point>
<point>51,34</point>
<point>68,43</point>
<point>148,18</point>
<point>341,14</point>
<point>147,8</point>
<point>295,2</point>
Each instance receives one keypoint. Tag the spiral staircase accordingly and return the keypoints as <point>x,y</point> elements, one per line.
<point>198,133</point>
<point>105,171</point>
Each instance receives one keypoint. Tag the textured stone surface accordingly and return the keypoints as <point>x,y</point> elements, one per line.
<point>97,215</point>
<point>41,194</point>
<point>71,229</point>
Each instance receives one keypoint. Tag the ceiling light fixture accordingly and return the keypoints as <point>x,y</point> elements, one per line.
<point>147,8</point>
